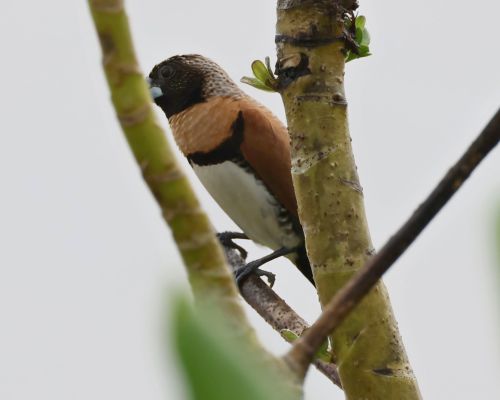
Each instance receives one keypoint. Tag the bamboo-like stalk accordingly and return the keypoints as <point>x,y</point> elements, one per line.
<point>210,277</point>
<point>304,349</point>
<point>368,350</point>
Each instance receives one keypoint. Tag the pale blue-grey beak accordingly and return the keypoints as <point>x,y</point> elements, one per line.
<point>154,90</point>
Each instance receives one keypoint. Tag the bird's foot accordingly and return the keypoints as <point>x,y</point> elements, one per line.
<point>253,268</point>
<point>271,278</point>
<point>226,240</point>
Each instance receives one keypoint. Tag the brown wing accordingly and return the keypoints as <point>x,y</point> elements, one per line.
<point>203,127</point>
<point>266,147</point>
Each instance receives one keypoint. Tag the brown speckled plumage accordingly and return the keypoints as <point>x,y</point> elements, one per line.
<point>216,81</point>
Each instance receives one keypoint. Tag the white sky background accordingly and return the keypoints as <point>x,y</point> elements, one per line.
<point>86,259</point>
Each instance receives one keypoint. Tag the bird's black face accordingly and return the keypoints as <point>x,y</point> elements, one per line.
<point>175,85</point>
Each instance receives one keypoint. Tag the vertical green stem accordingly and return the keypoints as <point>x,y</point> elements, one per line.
<point>368,350</point>
<point>210,277</point>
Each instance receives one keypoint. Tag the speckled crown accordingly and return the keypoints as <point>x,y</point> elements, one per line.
<point>216,81</point>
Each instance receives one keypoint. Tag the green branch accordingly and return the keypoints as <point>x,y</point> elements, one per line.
<point>312,40</point>
<point>210,277</point>
<point>346,299</point>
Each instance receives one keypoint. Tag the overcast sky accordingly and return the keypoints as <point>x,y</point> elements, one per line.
<point>87,264</point>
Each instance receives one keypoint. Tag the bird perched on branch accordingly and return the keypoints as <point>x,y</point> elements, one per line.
<point>238,149</point>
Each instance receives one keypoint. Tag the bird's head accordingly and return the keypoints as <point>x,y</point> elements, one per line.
<point>183,81</point>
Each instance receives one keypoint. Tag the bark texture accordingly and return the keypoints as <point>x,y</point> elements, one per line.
<point>368,350</point>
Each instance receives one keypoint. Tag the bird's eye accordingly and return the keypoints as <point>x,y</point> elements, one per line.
<point>167,72</point>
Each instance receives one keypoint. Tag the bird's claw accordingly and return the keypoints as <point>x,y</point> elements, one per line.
<point>226,239</point>
<point>271,278</point>
<point>253,268</point>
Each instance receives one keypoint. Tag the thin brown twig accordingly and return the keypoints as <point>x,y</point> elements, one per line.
<point>300,355</point>
<point>275,311</point>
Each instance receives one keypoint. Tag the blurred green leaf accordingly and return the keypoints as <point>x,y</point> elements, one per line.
<point>360,22</point>
<point>350,56</point>
<point>358,36</point>
<point>288,335</point>
<point>365,40</point>
<point>322,354</point>
<point>218,368</point>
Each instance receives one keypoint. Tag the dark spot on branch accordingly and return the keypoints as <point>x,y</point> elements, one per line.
<point>319,86</point>
<point>352,184</point>
<point>348,5</point>
<point>107,6</point>
<point>290,69</point>
<point>338,98</point>
<point>289,4</point>
<point>107,43</point>
<point>349,39</point>
<point>321,98</point>
<point>311,97</point>
<point>306,40</point>
<point>384,371</point>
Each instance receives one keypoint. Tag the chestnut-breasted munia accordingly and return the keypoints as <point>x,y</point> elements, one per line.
<point>238,149</point>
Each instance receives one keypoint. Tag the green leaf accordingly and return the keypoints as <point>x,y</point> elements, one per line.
<point>360,22</point>
<point>256,84</point>
<point>365,40</point>
<point>358,36</point>
<point>216,367</point>
<point>361,37</point>
<point>260,70</point>
<point>350,56</point>
<point>264,76</point>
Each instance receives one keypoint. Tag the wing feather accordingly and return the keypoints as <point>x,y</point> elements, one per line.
<point>266,147</point>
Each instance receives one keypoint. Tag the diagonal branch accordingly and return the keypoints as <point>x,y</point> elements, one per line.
<point>211,279</point>
<point>275,311</point>
<point>352,293</point>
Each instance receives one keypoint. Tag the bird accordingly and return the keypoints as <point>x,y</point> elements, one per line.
<point>239,150</point>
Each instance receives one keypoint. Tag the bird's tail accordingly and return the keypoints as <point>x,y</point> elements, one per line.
<point>302,263</point>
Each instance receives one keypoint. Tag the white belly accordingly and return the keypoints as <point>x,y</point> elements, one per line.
<point>248,203</point>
